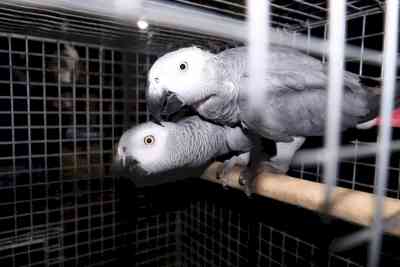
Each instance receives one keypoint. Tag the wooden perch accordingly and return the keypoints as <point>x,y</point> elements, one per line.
<point>353,206</point>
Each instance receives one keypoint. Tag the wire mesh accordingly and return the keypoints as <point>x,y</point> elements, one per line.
<point>58,126</point>
<point>21,17</point>
<point>58,129</point>
<point>365,31</point>
<point>284,13</point>
<point>226,232</point>
<point>278,248</point>
<point>214,236</point>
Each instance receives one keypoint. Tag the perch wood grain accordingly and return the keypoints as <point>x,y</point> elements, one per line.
<point>349,205</point>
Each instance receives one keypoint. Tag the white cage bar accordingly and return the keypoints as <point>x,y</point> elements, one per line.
<point>58,138</point>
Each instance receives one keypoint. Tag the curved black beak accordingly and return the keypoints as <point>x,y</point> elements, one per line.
<point>127,169</point>
<point>165,103</point>
<point>173,104</point>
<point>155,104</point>
<point>132,171</point>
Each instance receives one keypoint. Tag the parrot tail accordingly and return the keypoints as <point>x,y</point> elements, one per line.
<point>395,121</point>
<point>374,86</point>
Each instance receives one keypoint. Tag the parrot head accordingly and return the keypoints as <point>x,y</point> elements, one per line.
<point>142,150</point>
<point>180,78</point>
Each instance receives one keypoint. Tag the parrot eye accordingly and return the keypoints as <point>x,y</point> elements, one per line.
<point>183,66</point>
<point>149,140</point>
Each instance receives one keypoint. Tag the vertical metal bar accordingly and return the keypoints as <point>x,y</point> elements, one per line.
<point>88,158</point>
<point>360,72</point>
<point>73,112</point>
<point>283,256</point>
<point>45,120</point>
<point>47,263</point>
<point>147,68</point>
<point>101,111</point>
<point>385,130</point>
<point>74,133</point>
<point>126,90</point>
<point>14,176</point>
<point>312,254</point>
<point>61,173</point>
<point>28,90</point>
<point>137,88</point>
<point>258,43</point>
<point>324,59</point>
<point>296,251</point>
<point>270,247</point>
<point>114,232</point>
<point>88,151</point>
<point>75,157</point>
<point>101,133</point>
<point>337,33</point>
<point>46,253</point>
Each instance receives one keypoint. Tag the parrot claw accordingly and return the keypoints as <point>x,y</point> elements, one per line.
<point>248,175</point>
<point>228,166</point>
<point>246,180</point>
<point>221,171</point>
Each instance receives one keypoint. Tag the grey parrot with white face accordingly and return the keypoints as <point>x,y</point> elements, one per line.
<point>148,151</point>
<point>215,85</point>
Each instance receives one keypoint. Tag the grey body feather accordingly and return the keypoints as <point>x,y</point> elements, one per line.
<point>294,93</point>
<point>194,142</point>
<point>189,143</point>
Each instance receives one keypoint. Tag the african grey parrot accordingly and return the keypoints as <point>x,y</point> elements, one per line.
<point>294,94</point>
<point>149,149</point>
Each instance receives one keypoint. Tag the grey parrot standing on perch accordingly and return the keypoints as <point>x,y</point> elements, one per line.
<point>294,94</point>
<point>148,151</point>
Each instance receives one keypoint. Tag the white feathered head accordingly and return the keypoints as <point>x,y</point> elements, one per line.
<point>179,78</point>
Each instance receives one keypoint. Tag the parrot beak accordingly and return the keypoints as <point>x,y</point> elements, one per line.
<point>127,168</point>
<point>165,102</point>
<point>173,104</point>
<point>155,105</point>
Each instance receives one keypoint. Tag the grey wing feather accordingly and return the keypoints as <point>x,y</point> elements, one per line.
<point>295,98</point>
<point>237,140</point>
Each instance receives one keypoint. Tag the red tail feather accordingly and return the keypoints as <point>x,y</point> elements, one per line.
<point>395,119</point>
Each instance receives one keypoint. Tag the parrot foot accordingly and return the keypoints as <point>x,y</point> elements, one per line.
<point>228,165</point>
<point>246,179</point>
<point>249,174</point>
<point>221,171</point>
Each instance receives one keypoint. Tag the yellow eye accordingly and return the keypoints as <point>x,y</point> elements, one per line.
<point>149,140</point>
<point>183,66</point>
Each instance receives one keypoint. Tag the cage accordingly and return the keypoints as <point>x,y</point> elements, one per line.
<point>73,77</point>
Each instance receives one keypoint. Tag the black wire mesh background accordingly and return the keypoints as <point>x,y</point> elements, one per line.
<point>58,200</point>
<point>218,227</point>
<point>60,206</point>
